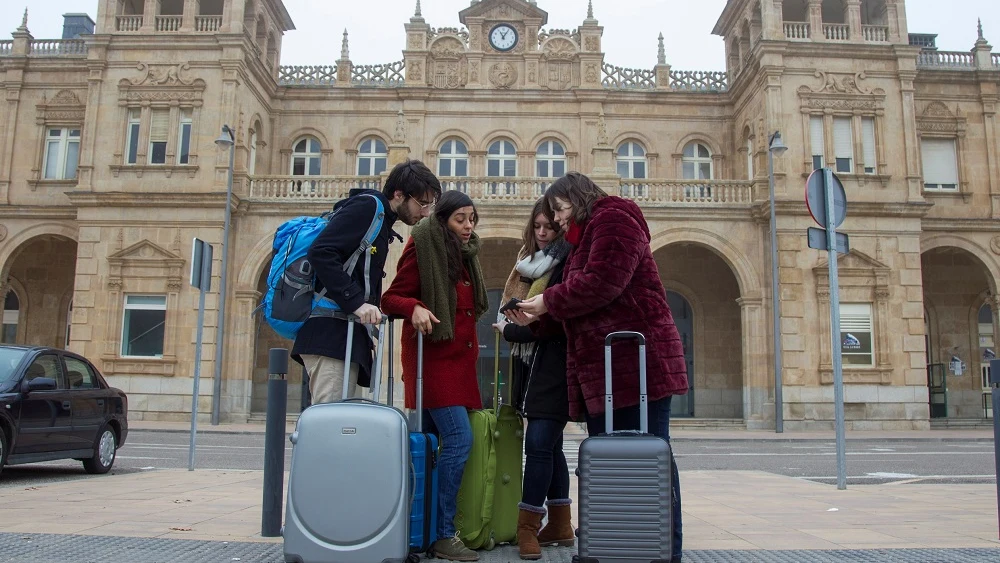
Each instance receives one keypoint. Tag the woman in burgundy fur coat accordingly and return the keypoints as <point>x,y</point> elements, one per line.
<point>611,283</point>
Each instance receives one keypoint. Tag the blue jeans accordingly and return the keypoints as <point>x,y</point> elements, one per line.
<point>545,472</point>
<point>627,418</point>
<point>451,424</point>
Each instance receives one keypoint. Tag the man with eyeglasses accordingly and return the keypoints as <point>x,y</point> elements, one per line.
<point>409,194</point>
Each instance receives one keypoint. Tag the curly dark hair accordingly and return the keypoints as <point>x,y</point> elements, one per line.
<point>414,179</point>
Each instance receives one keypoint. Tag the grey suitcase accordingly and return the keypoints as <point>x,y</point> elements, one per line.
<point>624,484</point>
<point>345,455</point>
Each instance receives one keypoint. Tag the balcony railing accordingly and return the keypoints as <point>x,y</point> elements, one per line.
<point>207,23</point>
<point>520,190</point>
<point>6,48</point>
<point>946,59</point>
<point>128,23</point>
<point>797,30</point>
<point>836,31</point>
<point>996,59</point>
<point>57,47</point>
<point>168,23</point>
<point>875,33</point>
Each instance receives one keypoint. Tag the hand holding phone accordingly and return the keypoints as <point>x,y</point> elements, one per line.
<point>511,305</point>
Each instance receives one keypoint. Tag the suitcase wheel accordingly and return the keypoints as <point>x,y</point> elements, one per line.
<point>413,558</point>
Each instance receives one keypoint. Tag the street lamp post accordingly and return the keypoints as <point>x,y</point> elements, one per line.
<point>226,139</point>
<point>774,147</point>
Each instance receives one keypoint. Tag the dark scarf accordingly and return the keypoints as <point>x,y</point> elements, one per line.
<point>436,291</point>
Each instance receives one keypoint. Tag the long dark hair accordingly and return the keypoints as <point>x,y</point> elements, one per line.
<point>530,245</point>
<point>580,191</point>
<point>451,201</point>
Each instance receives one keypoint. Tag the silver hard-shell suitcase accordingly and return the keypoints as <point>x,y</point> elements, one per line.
<point>349,483</point>
<point>624,484</point>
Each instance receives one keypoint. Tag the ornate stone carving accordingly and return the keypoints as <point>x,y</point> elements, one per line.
<point>474,72</point>
<point>413,41</point>
<point>532,68</point>
<point>592,74</point>
<point>3,231</point>
<point>937,109</point>
<point>560,75</point>
<point>503,75</point>
<point>994,243</point>
<point>163,75</point>
<point>399,135</point>
<point>450,74</point>
<point>849,84</point>
<point>415,71</point>
<point>592,43</point>
<point>937,118</point>
<point>560,49</point>
<point>447,48</point>
<point>66,98</point>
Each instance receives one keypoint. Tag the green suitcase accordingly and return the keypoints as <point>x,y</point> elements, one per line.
<point>491,483</point>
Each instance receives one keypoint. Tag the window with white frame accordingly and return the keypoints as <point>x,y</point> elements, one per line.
<point>306,157</point>
<point>696,162</point>
<point>630,159</point>
<point>843,144</point>
<point>143,323</point>
<point>453,159</point>
<point>940,162</point>
<point>868,145</point>
<point>550,160</point>
<point>817,142</point>
<point>159,131</point>
<point>184,138</point>
<point>62,153</point>
<point>501,162</point>
<point>372,157</point>
<point>856,338</point>
<point>11,317</point>
<point>132,136</point>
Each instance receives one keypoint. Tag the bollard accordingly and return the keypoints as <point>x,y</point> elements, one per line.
<point>306,395</point>
<point>274,442</point>
<point>995,397</point>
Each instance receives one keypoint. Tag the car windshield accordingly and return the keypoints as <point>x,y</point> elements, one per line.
<point>9,359</point>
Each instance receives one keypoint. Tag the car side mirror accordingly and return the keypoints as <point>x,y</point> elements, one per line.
<point>38,384</point>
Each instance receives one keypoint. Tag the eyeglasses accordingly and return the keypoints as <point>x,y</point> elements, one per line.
<point>427,206</point>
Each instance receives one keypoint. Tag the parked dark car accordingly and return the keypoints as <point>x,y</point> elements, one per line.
<point>55,405</point>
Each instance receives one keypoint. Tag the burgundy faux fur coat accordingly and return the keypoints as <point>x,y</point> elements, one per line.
<point>611,283</point>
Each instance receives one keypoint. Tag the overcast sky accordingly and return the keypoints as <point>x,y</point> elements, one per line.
<point>630,26</point>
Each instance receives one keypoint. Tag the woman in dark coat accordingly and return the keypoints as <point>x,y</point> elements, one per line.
<point>544,402</point>
<point>611,283</point>
<point>439,289</point>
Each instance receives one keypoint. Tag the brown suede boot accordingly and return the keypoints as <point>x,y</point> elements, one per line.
<point>528,523</point>
<point>559,529</point>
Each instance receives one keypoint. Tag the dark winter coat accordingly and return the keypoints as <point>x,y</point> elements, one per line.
<point>544,388</point>
<point>449,365</point>
<point>611,283</point>
<point>325,336</point>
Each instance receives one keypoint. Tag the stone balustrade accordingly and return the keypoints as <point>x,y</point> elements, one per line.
<point>207,23</point>
<point>57,47</point>
<point>6,48</point>
<point>946,59</point>
<point>836,31</point>
<point>168,23</point>
<point>797,30</point>
<point>875,33</point>
<point>128,23</point>
<point>515,190</point>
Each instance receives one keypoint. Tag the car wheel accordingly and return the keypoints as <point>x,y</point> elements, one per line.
<point>104,452</point>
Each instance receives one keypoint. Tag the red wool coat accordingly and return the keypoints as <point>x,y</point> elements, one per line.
<point>611,283</point>
<point>449,365</point>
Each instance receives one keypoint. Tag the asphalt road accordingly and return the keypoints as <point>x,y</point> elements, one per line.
<point>868,461</point>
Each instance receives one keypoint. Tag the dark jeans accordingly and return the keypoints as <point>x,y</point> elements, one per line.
<point>546,474</point>
<point>627,418</point>
<point>452,427</point>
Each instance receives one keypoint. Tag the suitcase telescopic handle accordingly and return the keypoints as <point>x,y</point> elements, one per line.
<point>348,352</point>
<point>420,381</point>
<point>643,399</point>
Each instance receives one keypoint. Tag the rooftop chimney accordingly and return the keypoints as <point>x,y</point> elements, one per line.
<point>75,25</point>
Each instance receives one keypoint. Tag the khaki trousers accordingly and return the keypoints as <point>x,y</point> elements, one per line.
<point>326,378</point>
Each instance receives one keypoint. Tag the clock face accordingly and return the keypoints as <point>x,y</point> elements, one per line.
<point>503,37</point>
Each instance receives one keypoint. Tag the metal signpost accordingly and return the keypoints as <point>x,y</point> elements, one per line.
<point>827,203</point>
<point>201,278</point>
<point>995,397</point>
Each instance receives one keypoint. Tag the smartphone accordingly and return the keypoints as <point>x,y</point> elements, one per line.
<point>511,305</point>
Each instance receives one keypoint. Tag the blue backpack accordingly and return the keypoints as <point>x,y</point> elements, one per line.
<point>291,298</point>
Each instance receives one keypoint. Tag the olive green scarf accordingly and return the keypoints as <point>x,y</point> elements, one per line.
<point>436,292</point>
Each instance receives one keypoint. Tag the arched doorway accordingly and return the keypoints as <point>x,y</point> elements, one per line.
<point>703,294</point>
<point>40,274</point>
<point>497,258</point>
<point>265,339</point>
<point>960,323</point>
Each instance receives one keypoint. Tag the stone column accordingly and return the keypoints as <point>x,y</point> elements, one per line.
<point>774,20</point>
<point>854,19</point>
<point>815,18</point>
<point>187,16</point>
<point>149,16</point>
<point>757,384</point>
<point>238,387</point>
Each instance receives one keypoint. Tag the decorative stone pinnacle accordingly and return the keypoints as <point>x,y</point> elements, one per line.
<point>344,51</point>
<point>661,53</point>
<point>399,136</point>
<point>24,21</point>
<point>590,9</point>
<point>980,27</point>
<point>417,13</point>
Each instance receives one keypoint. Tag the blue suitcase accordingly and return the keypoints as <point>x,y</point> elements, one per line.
<point>424,455</point>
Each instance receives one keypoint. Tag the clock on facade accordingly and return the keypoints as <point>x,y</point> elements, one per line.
<point>503,37</point>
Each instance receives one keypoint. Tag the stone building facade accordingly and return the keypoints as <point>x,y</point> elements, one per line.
<point>108,170</point>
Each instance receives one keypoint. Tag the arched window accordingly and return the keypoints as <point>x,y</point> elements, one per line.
<point>501,161</point>
<point>252,158</point>
<point>697,162</point>
<point>631,163</point>
<point>453,159</point>
<point>11,316</point>
<point>550,160</point>
<point>306,157</point>
<point>749,158</point>
<point>372,157</point>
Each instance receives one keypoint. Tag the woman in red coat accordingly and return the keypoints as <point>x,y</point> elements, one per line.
<point>611,283</point>
<point>439,289</point>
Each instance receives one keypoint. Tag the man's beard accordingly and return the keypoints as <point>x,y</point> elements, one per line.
<point>406,216</point>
